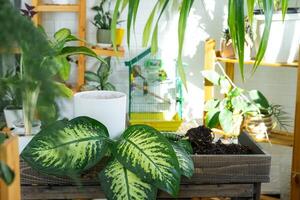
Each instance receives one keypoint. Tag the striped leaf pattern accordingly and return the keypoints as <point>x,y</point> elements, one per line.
<point>118,183</point>
<point>67,147</point>
<point>186,163</point>
<point>147,153</point>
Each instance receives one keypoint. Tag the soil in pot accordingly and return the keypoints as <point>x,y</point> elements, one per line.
<point>202,141</point>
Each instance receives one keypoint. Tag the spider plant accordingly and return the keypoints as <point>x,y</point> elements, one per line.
<point>235,22</point>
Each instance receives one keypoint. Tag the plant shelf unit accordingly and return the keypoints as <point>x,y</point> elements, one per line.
<point>283,138</point>
<point>80,9</point>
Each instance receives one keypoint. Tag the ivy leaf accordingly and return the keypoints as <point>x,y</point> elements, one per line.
<point>225,85</point>
<point>212,118</point>
<point>211,104</point>
<point>259,99</point>
<point>211,76</point>
<point>226,120</point>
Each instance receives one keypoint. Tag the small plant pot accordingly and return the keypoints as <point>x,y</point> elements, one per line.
<point>227,50</point>
<point>260,124</point>
<point>107,107</point>
<point>12,115</point>
<point>104,36</point>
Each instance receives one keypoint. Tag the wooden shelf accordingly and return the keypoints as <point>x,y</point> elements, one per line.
<point>57,8</point>
<point>109,51</point>
<point>269,64</point>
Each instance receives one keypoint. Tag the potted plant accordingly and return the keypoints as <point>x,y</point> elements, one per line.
<point>11,99</point>
<point>238,105</point>
<point>227,48</point>
<point>99,80</point>
<point>142,156</point>
<point>102,21</point>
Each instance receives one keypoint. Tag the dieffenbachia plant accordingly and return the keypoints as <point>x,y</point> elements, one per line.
<point>6,174</point>
<point>229,112</point>
<point>141,161</point>
<point>236,24</point>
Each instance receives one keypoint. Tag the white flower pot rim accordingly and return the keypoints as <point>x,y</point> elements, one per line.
<point>100,95</point>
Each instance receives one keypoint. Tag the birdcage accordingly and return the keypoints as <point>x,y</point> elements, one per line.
<point>155,93</point>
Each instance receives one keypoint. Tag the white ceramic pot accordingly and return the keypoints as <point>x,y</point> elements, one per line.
<point>284,39</point>
<point>23,142</point>
<point>108,107</point>
<point>12,116</point>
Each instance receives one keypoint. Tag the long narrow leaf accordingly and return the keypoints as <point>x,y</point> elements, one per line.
<point>130,15</point>
<point>184,13</point>
<point>114,24</point>
<point>268,10</point>
<point>284,7</point>
<point>250,5</point>
<point>237,29</point>
<point>154,42</point>
<point>148,26</point>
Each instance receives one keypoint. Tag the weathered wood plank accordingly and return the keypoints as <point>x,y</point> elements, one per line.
<point>90,192</point>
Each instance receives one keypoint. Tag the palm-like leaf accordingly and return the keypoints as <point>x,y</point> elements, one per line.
<point>147,153</point>
<point>118,183</point>
<point>67,147</point>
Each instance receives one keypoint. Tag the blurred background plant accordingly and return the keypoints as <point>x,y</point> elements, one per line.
<point>100,79</point>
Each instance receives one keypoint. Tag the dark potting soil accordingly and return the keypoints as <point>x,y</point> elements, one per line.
<point>202,139</point>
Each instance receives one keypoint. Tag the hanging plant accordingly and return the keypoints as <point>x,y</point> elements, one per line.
<point>236,25</point>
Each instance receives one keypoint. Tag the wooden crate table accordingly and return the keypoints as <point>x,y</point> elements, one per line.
<point>237,176</point>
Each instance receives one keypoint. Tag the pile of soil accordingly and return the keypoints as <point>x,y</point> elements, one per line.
<point>202,139</point>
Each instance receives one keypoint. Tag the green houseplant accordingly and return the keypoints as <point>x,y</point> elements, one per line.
<point>235,22</point>
<point>239,105</point>
<point>102,21</point>
<point>99,80</point>
<point>141,161</point>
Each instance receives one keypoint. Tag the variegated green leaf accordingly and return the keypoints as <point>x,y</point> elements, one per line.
<point>118,183</point>
<point>186,163</point>
<point>147,153</point>
<point>67,147</point>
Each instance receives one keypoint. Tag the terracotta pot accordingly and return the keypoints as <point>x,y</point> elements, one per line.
<point>227,50</point>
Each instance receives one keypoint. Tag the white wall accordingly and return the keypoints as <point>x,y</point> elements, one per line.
<point>207,19</point>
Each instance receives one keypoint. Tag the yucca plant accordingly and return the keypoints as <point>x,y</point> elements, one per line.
<point>6,174</point>
<point>141,161</point>
<point>235,22</point>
